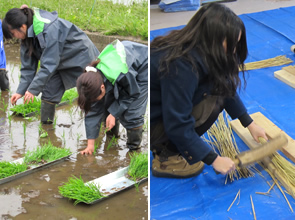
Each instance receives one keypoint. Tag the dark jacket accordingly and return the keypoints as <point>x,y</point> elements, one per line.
<point>121,93</point>
<point>173,97</point>
<point>60,46</point>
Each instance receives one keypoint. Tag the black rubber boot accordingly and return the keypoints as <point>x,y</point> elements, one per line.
<point>4,81</point>
<point>47,112</point>
<point>134,137</point>
<point>115,130</point>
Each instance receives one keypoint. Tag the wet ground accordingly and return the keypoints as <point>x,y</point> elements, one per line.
<point>36,196</point>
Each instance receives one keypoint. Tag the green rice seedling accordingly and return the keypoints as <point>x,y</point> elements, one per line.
<point>69,95</point>
<point>113,142</point>
<point>46,154</point>
<point>54,122</point>
<point>8,169</point>
<point>24,109</point>
<point>25,128</point>
<point>76,189</point>
<point>138,167</point>
<point>95,147</point>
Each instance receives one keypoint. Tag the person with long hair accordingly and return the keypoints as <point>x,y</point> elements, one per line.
<point>62,49</point>
<point>114,89</point>
<point>4,81</point>
<point>194,75</point>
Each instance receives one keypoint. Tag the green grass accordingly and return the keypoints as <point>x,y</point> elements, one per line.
<point>25,109</point>
<point>69,95</point>
<point>103,16</point>
<point>46,154</point>
<point>8,169</point>
<point>76,189</point>
<point>138,167</point>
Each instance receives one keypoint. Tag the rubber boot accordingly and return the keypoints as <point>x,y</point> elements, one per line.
<point>115,130</point>
<point>4,81</point>
<point>134,137</point>
<point>47,112</point>
<point>175,167</point>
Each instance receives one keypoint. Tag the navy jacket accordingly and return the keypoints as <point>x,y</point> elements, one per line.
<point>173,97</point>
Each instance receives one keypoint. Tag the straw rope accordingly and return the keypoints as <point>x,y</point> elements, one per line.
<point>276,61</point>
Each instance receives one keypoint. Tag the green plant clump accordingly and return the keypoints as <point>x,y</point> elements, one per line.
<point>69,95</point>
<point>46,154</point>
<point>138,168</point>
<point>24,109</point>
<point>76,189</point>
<point>8,169</point>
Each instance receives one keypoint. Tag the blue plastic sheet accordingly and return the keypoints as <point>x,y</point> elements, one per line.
<point>2,53</point>
<point>182,5</point>
<point>269,34</point>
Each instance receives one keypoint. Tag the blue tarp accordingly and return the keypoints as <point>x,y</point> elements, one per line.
<point>2,53</point>
<point>269,34</point>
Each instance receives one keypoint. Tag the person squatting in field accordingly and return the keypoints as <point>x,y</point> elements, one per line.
<point>114,89</point>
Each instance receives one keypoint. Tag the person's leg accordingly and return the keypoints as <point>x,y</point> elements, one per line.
<point>4,81</point>
<point>167,160</point>
<point>51,95</point>
<point>133,119</point>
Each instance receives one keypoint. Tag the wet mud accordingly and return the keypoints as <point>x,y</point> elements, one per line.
<point>36,196</point>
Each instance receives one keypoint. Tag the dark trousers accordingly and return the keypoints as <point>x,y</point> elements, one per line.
<point>205,113</point>
<point>54,89</point>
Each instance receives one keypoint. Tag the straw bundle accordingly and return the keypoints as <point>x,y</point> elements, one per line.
<point>220,136</point>
<point>276,61</point>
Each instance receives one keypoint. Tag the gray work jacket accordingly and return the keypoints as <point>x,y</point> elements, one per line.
<point>125,91</point>
<point>61,47</point>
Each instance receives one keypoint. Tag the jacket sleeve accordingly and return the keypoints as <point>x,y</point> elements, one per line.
<point>236,109</point>
<point>177,94</point>
<point>127,85</point>
<point>49,60</point>
<point>28,69</point>
<point>93,120</point>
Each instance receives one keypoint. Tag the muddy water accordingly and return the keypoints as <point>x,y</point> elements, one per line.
<point>36,196</point>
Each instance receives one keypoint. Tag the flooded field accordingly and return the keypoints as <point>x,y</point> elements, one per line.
<point>36,195</point>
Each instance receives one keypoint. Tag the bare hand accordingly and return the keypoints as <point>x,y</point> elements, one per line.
<point>256,132</point>
<point>88,150</point>
<point>90,147</point>
<point>28,97</point>
<point>110,122</point>
<point>14,98</point>
<point>224,165</point>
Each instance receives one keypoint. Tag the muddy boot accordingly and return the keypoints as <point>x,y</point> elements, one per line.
<point>4,82</point>
<point>175,167</point>
<point>47,112</point>
<point>134,137</point>
<point>115,130</point>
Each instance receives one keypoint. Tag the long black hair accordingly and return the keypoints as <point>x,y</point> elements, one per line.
<point>206,32</point>
<point>14,19</point>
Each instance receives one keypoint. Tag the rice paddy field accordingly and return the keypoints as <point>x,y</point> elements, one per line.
<point>36,195</point>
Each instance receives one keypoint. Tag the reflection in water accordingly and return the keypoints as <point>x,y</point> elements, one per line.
<point>38,196</point>
<point>11,202</point>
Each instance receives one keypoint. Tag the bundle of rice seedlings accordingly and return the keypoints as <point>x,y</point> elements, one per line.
<point>77,190</point>
<point>46,154</point>
<point>276,61</point>
<point>138,167</point>
<point>8,169</point>
<point>221,138</point>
